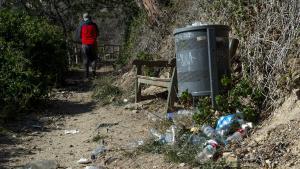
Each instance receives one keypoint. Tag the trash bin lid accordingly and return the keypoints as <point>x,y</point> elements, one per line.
<point>195,28</point>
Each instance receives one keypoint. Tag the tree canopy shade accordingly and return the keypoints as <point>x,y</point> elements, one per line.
<point>66,12</point>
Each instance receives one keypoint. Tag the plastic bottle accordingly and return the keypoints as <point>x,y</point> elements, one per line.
<point>99,150</point>
<point>158,136</point>
<point>239,134</point>
<point>236,136</point>
<point>170,135</point>
<point>198,140</point>
<point>212,133</point>
<point>207,152</point>
<point>208,131</point>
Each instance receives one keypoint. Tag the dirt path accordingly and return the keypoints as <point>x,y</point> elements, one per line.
<point>41,136</point>
<point>44,137</point>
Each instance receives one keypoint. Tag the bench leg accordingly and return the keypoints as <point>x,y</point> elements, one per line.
<point>138,87</point>
<point>172,91</point>
<point>138,92</point>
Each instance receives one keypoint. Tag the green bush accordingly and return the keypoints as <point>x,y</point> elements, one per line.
<point>242,96</point>
<point>33,58</point>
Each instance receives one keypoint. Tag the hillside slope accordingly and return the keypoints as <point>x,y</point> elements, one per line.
<point>276,141</point>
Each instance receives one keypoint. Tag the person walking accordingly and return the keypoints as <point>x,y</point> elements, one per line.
<point>87,34</point>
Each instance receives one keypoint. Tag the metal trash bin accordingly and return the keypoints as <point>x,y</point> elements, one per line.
<point>202,58</point>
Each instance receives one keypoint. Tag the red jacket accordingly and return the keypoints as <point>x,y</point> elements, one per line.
<point>88,32</point>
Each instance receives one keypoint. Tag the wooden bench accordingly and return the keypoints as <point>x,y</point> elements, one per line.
<point>169,83</point>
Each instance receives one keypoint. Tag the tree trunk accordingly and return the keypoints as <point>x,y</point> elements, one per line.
<point>151,7</point>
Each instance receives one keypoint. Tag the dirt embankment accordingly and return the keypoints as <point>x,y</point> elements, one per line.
<point>276,141</point>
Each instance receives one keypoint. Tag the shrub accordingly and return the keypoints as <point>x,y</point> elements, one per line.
<point>32,56</point>
<point>242,96</point>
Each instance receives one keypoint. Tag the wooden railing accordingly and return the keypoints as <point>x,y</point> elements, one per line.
<point>108,54</point>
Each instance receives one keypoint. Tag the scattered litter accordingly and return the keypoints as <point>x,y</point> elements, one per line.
<point>211,133</point>
<point>71,131</point>
<point>247,125</point>
<point>184,118</point>
<point>210,142</point>
<point>83,161</point>
<point>136,144</point>
<point>98,151</point>
<point>198,140</point>
<point>237,136</point>
<point>168,137</point>
<point>110,160</point>
<point>208,152</point>
<point>42,164</point>
<point>133,106</point>
<point>225,123</point>
<point>101,125</point>
<point>158,136</point>
<point>170,115</point>
<point>125,100</point>
<point>91,167</point>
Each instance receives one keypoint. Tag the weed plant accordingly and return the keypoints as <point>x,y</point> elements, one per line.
<point>104,91</point>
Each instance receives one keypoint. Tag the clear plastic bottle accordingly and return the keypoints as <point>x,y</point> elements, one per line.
<point>99,150</point>
<point>237,136</point>
<point>198,140</point>
<point>207,153</point>
<point>212,133</point>
<point>208,131</point>
<point>158,136</point>
<point>170,135</point>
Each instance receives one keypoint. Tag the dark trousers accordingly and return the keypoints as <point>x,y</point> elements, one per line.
<point>89,58</point>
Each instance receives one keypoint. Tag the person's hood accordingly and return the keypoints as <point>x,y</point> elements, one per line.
<point>87,21</point>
